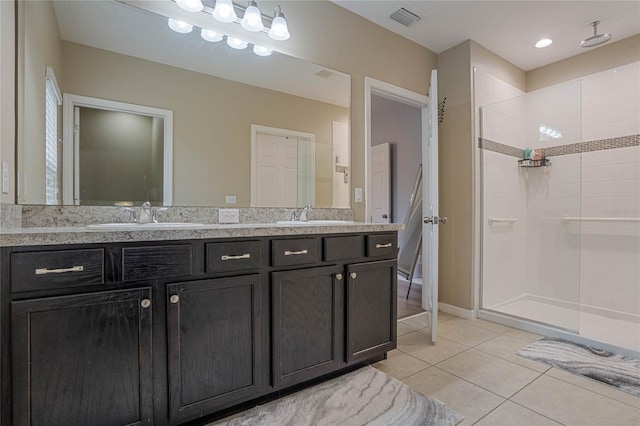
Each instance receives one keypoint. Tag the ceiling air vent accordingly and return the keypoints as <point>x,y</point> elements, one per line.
<point>323,73</point>
<point>405,17</point>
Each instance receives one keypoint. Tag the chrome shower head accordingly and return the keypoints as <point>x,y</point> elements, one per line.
<point>596,39</point>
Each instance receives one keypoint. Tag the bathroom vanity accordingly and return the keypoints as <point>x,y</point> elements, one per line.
<point>164,327</point>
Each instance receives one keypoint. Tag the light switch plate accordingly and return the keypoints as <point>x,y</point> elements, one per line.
<point>5,177</point>
<point>228,216</point>
<point>230,199</point>
<point>358,195</point>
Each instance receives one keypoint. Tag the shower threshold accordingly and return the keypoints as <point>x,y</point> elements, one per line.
<point>610,330</point>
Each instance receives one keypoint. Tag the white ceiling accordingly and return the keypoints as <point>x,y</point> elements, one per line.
<point>507,28</point>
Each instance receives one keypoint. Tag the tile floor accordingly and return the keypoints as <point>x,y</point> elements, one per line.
<point>473,369</point>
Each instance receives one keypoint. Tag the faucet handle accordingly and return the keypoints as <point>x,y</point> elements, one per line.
<point>154,213</point>
<point>133,214</point>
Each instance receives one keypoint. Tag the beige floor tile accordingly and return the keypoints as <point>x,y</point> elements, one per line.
<point>487,325</point>
<point>443,316</point>
<point>434,353</point>
<point>489,372</point>
<point>573,405</point>
<point>404,328</point>
<point>400,365</point>
<point>510,414</point>
<point>413,341</point>
<point>470,400</point>
<point>505,347</point>
<point>418,321</point>
<point>595,386</point>
<point>466,334</point>
<point>524,335</point>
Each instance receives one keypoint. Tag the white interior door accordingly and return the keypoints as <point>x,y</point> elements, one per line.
<point>381,179</point>
<point>430,206</point>
<point>277,171</point>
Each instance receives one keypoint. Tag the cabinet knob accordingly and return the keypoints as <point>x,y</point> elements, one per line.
<point>174,299</point>
<point>338,277</point>
<point>145,303</point>
<point>353,275</point>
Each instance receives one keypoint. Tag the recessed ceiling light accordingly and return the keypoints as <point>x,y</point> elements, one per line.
<point>543,43</point>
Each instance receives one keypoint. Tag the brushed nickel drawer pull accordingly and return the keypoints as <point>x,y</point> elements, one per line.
<point>386,245</point>
<point>292,253</point>
<point>45,271</point>
<point>232,257</point>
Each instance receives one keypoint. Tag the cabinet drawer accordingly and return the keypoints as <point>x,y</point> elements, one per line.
<point>343,248</point>
<point>297,251</point>
<point>45,270</point>
<point>142,263</point>
<point>382,245</point>
<point>233,256</point>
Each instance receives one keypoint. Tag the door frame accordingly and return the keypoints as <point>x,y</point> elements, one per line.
<point>394,93</point>
<point>255,129</point>
<point>70,152</point>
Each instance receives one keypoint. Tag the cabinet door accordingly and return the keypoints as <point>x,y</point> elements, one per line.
<point>308,323</point>
<point>371,309</point>
<point>83,360</point>
<point>215,344</point>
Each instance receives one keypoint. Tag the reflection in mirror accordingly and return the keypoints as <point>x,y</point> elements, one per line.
<point>120,154</point>
<point>113,51</point>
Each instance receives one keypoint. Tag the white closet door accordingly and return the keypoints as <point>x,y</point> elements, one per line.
<point>277,171</point>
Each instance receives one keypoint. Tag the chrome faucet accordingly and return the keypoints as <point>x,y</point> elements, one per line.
<point>300,214</point>
<point>145,214</point>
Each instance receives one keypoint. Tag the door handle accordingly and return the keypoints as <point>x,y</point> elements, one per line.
<point>385,216</point>
<point>436,220</point>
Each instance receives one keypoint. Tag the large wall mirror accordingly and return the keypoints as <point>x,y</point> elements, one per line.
<point>124,53</point>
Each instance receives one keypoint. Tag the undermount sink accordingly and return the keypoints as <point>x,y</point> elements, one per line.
<point>143,227</point>
<point>313,222</point>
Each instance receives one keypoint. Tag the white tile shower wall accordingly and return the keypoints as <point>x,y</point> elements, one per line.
<point>611,103</point>
<point>504,192</point>
<point>610,267</point>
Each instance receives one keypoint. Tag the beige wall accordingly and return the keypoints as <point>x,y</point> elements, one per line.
<point>42,47</point>
<point>598,59</point>
<point>212,118</point>
<point>7,92</point>
<point>456,178</point>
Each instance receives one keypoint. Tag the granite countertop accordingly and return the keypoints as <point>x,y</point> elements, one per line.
<point>34,236</point>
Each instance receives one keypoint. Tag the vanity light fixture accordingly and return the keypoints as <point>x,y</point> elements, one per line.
<point>261,51</point>
<point>252,19</point>
<point>179,26</point>
<point>190,5</point>
<point>543,43</point>
<point>279,29</point>
<point>210,35</point>
<point>224,11</point>
<point>236,43</point>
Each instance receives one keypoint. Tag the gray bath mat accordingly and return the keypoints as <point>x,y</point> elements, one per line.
<point>364,397</point>
<point>606,367</point>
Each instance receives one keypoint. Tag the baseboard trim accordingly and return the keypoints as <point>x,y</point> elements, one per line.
<point>469,314</point>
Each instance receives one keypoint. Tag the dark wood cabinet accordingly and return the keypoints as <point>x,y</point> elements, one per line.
<point>215,344</point>
<point>166,332</point>
<point>307,328</point>
<point>82,359</point>
<point>371,309</point>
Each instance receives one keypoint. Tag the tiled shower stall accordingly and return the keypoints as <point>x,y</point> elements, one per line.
<point>561,242</point>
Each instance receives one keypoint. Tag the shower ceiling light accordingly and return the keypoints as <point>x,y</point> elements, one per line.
<point>544,42</point>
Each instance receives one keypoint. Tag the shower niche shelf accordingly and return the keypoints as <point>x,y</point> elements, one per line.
<point>543,162</point>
